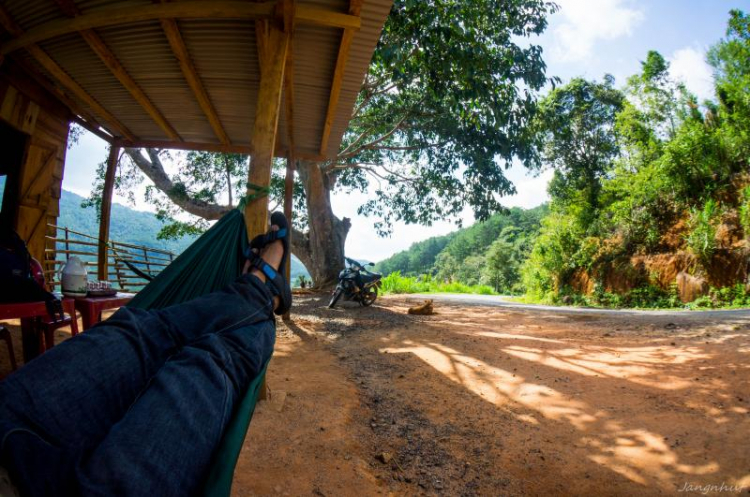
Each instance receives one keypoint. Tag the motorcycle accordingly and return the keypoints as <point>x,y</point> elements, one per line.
<point>356,283</point>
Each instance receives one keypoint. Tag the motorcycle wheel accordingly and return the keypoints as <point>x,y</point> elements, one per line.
<point>336,296</point>
<point>368,296</point>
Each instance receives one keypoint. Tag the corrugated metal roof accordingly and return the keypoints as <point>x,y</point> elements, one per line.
<point>225,55</point>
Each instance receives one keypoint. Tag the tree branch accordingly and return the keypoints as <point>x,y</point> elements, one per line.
<point>154,170</point>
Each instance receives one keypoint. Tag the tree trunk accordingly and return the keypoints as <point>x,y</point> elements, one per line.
<point>322,248</point>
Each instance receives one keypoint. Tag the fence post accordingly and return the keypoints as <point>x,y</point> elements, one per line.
<point>67,244</point>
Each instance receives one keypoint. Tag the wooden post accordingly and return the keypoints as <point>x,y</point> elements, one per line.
<point>288,206</point>
<point>106,211</point>
<point>273,42</point>
<point>272,48</point>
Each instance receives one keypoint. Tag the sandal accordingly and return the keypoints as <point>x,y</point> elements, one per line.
<point>275,279</point>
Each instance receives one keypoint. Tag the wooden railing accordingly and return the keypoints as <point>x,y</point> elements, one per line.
<point>66,242</point>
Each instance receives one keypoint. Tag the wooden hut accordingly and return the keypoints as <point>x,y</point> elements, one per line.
<point>266,78</point>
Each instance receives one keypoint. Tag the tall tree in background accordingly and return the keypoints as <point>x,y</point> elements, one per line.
<point>442,112</point>
<point>731,62</point>
<point>574,129</point>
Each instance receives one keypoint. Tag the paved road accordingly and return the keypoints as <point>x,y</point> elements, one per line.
<point>500,301</point>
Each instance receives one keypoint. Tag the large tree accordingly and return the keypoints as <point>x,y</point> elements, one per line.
<point>442,112</point>
<point>575,134</point>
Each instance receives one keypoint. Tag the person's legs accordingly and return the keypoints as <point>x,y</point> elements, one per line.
<point>62,405</point>
<point>65,402</point>
<point>165,442</point>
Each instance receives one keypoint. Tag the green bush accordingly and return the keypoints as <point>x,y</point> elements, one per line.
<point>395,283</point>
<point>701,239</point>
<point>745,211</point>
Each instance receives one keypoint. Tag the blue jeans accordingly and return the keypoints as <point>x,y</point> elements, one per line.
<point>138,404</point>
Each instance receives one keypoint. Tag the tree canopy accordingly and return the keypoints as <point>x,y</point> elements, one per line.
<point>444,109</point>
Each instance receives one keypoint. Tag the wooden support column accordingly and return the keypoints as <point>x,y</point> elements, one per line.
<point>288,207</point>
<point>106,211</point>
<point>272,47</point>
<point>273,43</point>
<point>290,157</point>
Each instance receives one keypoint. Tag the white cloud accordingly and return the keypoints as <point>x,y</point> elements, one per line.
<point>531,191</point>
<point>580,24</point>
<point>689,66</point>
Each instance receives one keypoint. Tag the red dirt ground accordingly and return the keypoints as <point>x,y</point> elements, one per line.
<point>491,401</point>
<point>488,401</point>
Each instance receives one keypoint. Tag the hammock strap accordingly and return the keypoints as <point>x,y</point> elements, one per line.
<point>259,192</point>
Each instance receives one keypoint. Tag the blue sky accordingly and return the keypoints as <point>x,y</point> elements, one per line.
<point>586,38</point>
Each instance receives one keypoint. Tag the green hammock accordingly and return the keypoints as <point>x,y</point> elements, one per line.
<point>213,261</point>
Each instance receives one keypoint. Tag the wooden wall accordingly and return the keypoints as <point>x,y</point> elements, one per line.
<point>44,120</point>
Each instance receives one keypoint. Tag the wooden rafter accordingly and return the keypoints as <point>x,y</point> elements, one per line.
<point>93,129</point>
<point>289,97</point>
<point>355,8</point>
<point>189,9</point>
<point>289,9</point>
<point>101,49</point>
<point>172,32</point>
<point>119,72</point>
<point>80,116</point>
<point>62,77</point>
<point>56,91</point>
<point>206,147</point>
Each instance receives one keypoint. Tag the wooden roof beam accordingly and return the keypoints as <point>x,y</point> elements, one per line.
<point>119,72</point>
<point>355,8</point>
<point>288,13</point>
<point>62,77</point>
<point>206,147</point>
<point>80,116</point>
<point>172,32</point>
<point>101,49</point>
<point>188,9</point>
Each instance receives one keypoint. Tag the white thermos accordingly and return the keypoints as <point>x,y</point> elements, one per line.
<point>74,278</point>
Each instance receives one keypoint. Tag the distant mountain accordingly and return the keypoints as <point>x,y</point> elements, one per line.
<point>130,226</point>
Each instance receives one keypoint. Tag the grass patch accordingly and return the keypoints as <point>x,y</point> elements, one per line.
<point>395,283</point>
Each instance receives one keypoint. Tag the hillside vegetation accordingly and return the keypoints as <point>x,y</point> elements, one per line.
<point>651,192</point>
<point>650,198</point>
<point>488,254</point>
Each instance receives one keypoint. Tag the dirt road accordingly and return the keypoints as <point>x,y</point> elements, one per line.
<point>497,400</point>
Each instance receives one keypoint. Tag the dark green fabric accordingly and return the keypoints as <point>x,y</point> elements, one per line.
<point>213,261</point>
<point>220,476</point>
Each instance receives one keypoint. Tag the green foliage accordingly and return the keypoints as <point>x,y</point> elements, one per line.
<point>444,108</point>
<point>419,259</point>
<point>701,239</point>
<point>745,211</point>
<point>552,260</point>
<point>487,253</point>
<point>665,159</point>
<point>731,62</point>
<point>200,179</point>
<point>736,296</point>
<point>395,283</point>
<point>574,128</point>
